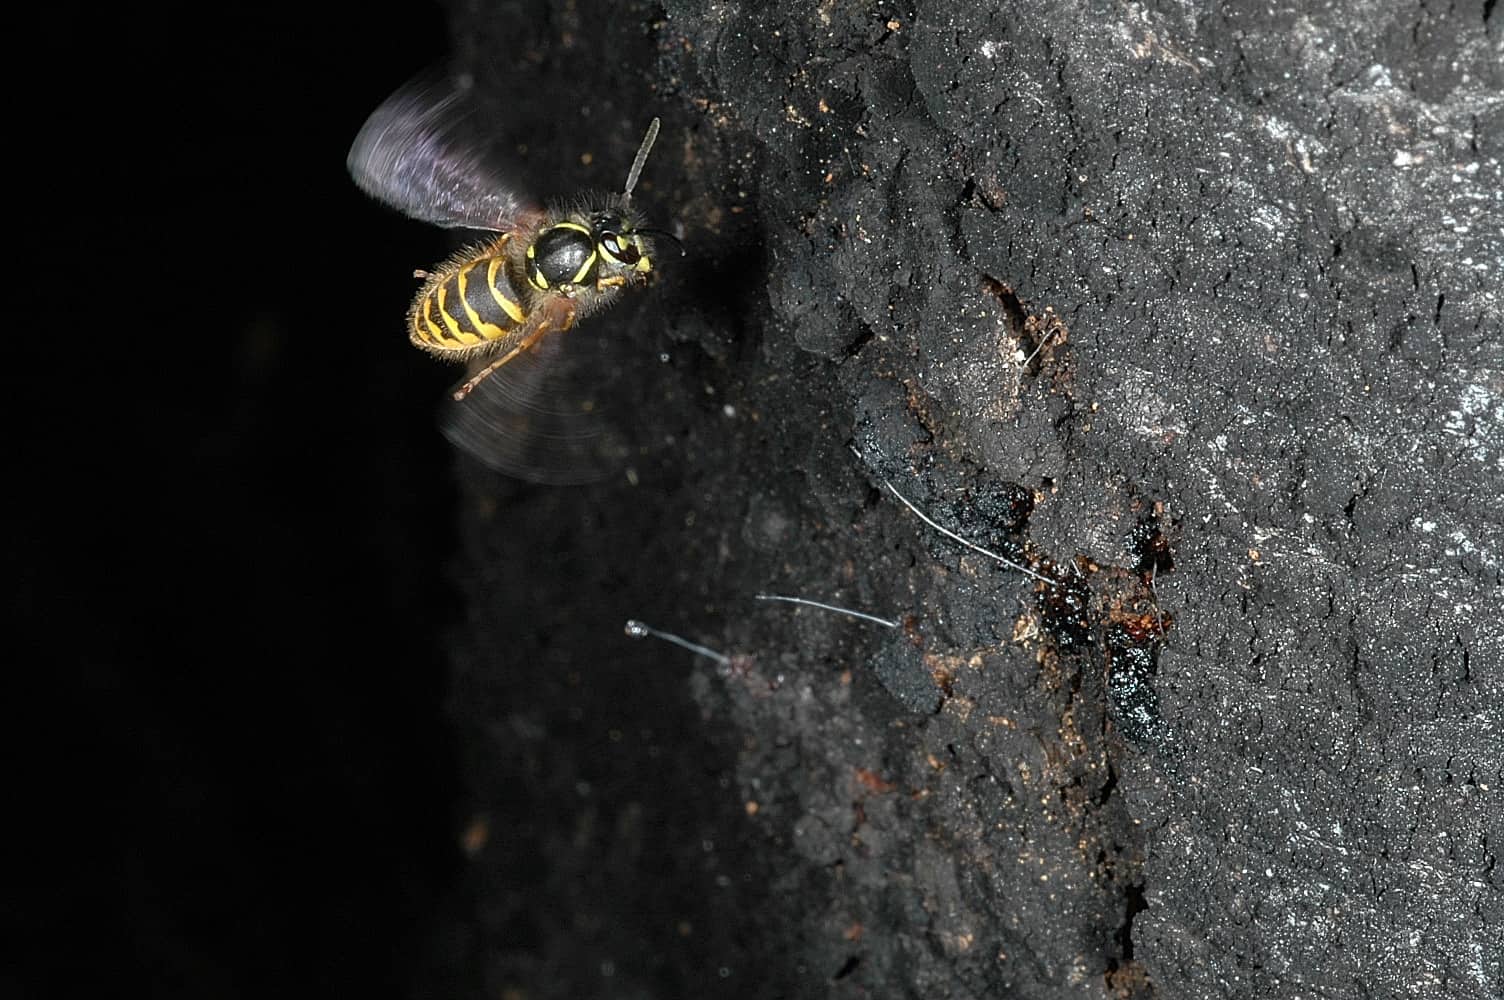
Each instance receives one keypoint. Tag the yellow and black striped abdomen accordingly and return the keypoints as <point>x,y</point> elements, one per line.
<point>467,305</point>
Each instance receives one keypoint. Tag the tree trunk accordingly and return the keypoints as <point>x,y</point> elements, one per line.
<point>1194,315</point>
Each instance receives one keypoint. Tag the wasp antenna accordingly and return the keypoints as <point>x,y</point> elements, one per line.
<point>827,607</point>
<point>642,156</point>
<point>637,630</point>
<point>970,545</point>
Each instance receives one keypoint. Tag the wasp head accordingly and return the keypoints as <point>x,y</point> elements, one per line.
<point>589,254</point>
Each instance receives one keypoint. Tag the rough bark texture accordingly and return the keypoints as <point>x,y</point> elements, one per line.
<point>1193,310</point>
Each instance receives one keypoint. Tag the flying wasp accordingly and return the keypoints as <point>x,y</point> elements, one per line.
<point>496,304</point>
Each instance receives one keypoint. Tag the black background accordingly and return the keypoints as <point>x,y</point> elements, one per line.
<point>232,775</point>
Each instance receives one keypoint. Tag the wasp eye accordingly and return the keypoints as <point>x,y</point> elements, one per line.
<point>619,250</point>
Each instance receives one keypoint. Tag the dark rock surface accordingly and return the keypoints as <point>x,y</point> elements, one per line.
<point>1196,313</point>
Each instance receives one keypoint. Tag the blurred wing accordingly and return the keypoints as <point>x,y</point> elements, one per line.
<point>422,152</point>
<point>546,416</point>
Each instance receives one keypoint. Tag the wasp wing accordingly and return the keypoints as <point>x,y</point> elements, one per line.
<point>422,153</point>
<point>553,413</point>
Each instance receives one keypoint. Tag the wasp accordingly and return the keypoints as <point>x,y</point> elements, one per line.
<point>542,269</point>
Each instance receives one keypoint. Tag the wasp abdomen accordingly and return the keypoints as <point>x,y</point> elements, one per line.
<point>467,304</point>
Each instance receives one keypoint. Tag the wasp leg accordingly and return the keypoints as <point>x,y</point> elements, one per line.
<point>554,316</point>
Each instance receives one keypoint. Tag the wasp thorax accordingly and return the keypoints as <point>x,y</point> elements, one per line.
<point>563,254</point>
